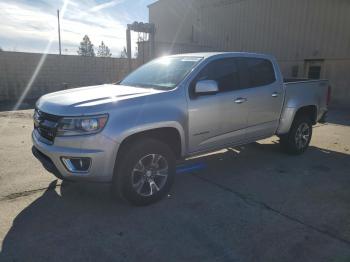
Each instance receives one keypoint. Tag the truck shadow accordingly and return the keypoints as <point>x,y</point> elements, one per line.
<point>82,222</point>
<point>339,117</point>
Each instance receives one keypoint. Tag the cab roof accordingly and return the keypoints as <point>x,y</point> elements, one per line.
<point>206,55</point>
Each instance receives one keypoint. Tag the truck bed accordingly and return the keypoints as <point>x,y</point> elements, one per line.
<point>297,80</point>
<point>307,91</point>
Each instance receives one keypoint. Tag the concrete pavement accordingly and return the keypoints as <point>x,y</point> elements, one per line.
<point>252,203</point>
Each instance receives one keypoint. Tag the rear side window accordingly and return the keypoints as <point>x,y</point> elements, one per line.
<point>224,71</point>
<point>257,72</point>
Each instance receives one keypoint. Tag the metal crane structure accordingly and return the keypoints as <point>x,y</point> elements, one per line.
<point>140,27</point>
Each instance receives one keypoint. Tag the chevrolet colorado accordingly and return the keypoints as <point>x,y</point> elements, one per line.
<point>132,133</point>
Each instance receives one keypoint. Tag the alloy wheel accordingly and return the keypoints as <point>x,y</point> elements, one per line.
<point>302,136</point>
<point>150,174</point>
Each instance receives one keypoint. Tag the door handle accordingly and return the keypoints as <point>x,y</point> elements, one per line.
<point>275,94</point>
<point>240,100</point>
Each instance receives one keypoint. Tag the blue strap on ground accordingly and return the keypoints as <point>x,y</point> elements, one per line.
<point>188,168</point>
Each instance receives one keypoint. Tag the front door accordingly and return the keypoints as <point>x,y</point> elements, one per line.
<point>218,119</point>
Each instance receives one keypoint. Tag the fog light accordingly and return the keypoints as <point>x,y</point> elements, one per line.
<point>77,165</point>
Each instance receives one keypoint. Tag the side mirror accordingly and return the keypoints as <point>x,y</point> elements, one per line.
<point>206,87</point>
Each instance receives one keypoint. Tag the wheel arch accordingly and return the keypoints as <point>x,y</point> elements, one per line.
<point>290,113</point>
<point>168,134</point>
<point>310,110</point>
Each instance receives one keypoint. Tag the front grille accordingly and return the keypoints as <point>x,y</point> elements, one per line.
<point>46,124</point>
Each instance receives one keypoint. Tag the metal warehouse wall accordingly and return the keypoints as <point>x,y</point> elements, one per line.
<point>174,20</point>
<point>292,30</point>
<point>57,73</point>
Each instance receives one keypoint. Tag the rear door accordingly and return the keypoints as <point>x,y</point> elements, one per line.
<point>265,96</point>
<point>219,119</point>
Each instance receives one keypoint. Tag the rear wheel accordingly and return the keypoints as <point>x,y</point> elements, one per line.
<point>298,139</point>
<point>145,171</point>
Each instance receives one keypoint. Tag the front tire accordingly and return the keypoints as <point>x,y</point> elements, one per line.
<point>298,139</point>
<point>145,171</point>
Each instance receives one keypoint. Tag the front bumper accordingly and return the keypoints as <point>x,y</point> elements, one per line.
<point>99,148</point>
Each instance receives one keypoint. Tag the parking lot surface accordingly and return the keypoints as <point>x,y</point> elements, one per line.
<point>251,203</point>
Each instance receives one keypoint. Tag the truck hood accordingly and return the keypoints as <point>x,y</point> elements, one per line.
<point>89,100</point>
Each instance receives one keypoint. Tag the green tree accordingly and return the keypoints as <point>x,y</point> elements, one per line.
<point>86,48</point>
<point>103,51</point>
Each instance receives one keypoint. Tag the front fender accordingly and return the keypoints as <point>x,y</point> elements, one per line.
<point>164,110</point>
<point>152,126</point>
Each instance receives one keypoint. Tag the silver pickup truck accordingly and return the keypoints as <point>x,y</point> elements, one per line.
<point>132,133</point>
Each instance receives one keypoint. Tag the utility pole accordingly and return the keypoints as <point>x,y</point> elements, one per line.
<point>128,48</point>
<point>59,30</point>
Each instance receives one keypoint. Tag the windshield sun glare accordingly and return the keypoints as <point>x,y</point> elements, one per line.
<point>162,73</point>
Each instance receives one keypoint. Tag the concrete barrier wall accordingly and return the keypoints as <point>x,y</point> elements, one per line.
<point>57,73</point>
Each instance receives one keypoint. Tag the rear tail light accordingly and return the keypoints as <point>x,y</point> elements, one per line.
<point>329,93</point>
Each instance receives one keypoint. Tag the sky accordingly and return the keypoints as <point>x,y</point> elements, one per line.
<point>31,25</point>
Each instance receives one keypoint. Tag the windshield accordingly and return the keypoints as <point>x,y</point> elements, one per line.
<point>163,73</point>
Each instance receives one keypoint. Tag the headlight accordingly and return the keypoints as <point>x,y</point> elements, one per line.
<point>74,126</point>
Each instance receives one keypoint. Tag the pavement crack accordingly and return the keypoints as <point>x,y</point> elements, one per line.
<point>29,192</point>
<point>251,201</point>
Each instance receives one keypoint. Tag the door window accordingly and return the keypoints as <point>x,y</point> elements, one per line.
<point>224,72</point>
<point>256,72</point>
